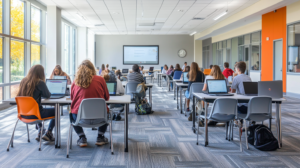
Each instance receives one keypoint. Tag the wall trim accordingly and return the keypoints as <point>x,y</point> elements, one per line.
<point>295,95</point>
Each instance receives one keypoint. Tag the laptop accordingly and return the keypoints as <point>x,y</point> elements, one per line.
<point>125,71</point>
<point>250,88</point>
<point>151,69</point>
<point>270,88</point>
<point>57,88</point>
<point>217,87</point>
<point>59,77</point>
<point>112,88</point>
<point>185,79</point>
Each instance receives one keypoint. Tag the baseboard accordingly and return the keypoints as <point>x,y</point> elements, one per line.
<point>295,95</point>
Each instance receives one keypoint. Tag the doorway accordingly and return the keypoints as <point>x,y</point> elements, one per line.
<point>277,64</point>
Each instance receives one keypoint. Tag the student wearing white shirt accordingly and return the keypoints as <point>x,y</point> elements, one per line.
<point>184,65</point>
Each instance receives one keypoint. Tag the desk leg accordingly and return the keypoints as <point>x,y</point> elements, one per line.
<point>278,124</point>
<point>56,124</point>
<point>150,96</point>
<point>177,88</point>
<point>206,127</point>
<point>58,127</point>
<point>194,115</point>
<point>174,90</point>
<point>126,127</point>
<point>180,100</point>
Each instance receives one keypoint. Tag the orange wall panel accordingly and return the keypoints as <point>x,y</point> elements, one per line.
<point>273,27</point>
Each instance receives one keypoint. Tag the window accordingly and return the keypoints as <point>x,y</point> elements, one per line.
<point>14,89</point>
<point>35,54</point>
<point>35,24</point>
<point>293,48</point>
<point>17,18</point>
<point>255,57</point>
<point>1,60</point>
<point>1,10</point>
<point>17,61</point>
<point>69,50</point>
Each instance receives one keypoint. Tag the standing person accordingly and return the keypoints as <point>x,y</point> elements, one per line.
<point>135,75</point>
<point>57,71</point>
<point>177,68</point>
<point>184,65</point>
<point>195,75</point>
<point>88,85</point>
<point>227,71</point>
<point>102,69</point>
<point>33,85</point>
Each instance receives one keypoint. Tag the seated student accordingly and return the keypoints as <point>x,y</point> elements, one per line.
<point>112,76</point>
<point>33,85</point>
<point>195,75</point>
<point>177,68</point>
<point>87,85</point>
<point>186,69</point>
<point>142,69</point>
<point>170,70</point>
<point>210,67</point>
<point>164,70</point>
<point>135,75</point>
<point>102,69</point>
<point>183,67</point>
<point>57,71</point>
<point>118,73</point>
<point>107,67</point>
<point>227,71</point>
<point>237,84</point>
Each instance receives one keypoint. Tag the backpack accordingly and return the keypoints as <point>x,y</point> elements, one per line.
<point>142,106</point>
<point>263,139</point>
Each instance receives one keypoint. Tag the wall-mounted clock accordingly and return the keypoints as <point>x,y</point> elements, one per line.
<point>182,53</point>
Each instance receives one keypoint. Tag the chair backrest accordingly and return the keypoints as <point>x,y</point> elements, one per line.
<point>224,106</point>
<point>196,88</point>
<point>161,69</point>
<point>177,74</point>
<point>130,88</point>
<point>207,71</point>
<point>259,105</point>
<point>27,106</point>
<point>93,108</point>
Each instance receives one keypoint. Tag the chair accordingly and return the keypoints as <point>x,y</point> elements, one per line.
<point>169,81</point>
<point>207,71</point>
<point>130,89</point>
<point>177,74</point>
<point>27,106</point>
<point>223,110</point>
<point>195,88</point>
<point>259,110</point>
<point>91,109</point>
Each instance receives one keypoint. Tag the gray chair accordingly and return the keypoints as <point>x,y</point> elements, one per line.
<point>130,88</point>
<point>169,81</point>
<point>195,88</point>
<point>93,109</point>
<point>259,110</point>
<point>223,110</point>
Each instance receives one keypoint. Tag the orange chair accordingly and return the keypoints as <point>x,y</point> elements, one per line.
<point>27,106</point>
<point>207,71</point>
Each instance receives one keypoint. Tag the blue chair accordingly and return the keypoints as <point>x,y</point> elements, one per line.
<point>161,69</point>
<point>177,74</point>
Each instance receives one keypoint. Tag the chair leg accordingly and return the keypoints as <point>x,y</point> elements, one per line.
<point>184,107</point>
<point>28,133</point>
<point>41,136</point>
<point>226,127</point>
<point>111,140</point>
<point>245,124</point>
<point>232,124</point>
<point>229,127</point>
<point>199,120</point>
<point>71,136</point>
<point>240,135</point>
<point>61,110</point>
<point>69,139</point>
<point>12,137</point>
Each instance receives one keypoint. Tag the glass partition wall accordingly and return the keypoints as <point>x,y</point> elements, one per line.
<point>293,48</point>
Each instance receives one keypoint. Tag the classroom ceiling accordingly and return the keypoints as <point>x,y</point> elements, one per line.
<point>147,16</point>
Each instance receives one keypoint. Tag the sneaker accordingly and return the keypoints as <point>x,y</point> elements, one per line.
<point>39,135</point>
<point>187,109</point>
<point>190,117</point>
<point>101,141</point>
<point>82,142</point>
<point>48,136</point>
<point>201,123</point>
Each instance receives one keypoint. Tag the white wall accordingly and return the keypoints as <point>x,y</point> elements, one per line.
<point>81,44</point>
<point>109,48</point>
<point>91,46</point>
<point>292,85</point>
<point>255,76</point>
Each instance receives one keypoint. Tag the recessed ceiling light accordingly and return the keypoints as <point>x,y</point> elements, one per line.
<point>193,33</point>
<point>198,18</point>
<point>180,10</point>
<point>97,25</point>
<point>221,15</point>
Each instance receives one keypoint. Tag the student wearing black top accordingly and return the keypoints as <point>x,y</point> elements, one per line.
<point>33,85</point>
<point>177,68</point>
<point>195,75</point>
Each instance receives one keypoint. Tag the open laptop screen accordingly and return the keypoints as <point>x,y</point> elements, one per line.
<point>112,87</point>
<point>57,86</point>
<point>216,86</point>
<point>59,77</point>
<point>124,70</point>
<point>185,78</point>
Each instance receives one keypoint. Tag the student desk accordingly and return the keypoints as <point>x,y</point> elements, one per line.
<point>159,76</point>
<point>241,99</point>
<point>180,86</point>
<point>151,76</point>
<point>174,85</point>
<point>125,99</point>
<point>149,88</point>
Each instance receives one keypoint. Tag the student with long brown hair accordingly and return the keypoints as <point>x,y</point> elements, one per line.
<point>33,85</point>
<point>177,68</point>
<point>102,69</point>
<point>57,71</point>
<point>87,85</point>
<point>215,73</point>
<point>195,75</point>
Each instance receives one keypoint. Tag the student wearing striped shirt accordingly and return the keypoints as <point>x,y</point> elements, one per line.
<point>136,75</point>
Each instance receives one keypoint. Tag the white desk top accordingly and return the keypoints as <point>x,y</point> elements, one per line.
<point>112,100</point>
<point>161,74</point>
<point>177,80</point>
<point>235,96</point>
<point>182,84</point>
<point>146,75</point>
<point>148,84</point>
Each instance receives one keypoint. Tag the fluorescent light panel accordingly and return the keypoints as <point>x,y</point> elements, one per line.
<point>221,15</point>
<point>193,33</point>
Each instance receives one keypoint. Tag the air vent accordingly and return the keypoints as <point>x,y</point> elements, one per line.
<point>198,18</point>
<point>98,25</point>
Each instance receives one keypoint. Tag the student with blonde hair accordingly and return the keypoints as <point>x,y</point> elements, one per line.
<point>215,73</point>
<point>57,71</point>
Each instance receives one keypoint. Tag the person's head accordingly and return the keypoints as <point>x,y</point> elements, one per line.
<point>27,86</point>
<point>135,68</point>
<point>85,73</point>
<point>185,63</point>
<point>142,67</point>
<point>210,66</point>
<point>187,69</point>
<point>177,67</point>
<point>166,67</point>
<point>240,67</point>
<point>57,71</point>
<point>106,77</point>
<point>226,65</point>
<point>171,67</point>
<point>107,66</point>
<point>216,72</point>
<point>193,71</point>
<point>103,67</point>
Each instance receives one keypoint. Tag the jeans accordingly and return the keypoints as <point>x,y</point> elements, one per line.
<point>79,130</point>
<point>171,84</point>
<point>47,112</point>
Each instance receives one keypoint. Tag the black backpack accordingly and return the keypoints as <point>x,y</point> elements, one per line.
<point>262,138</point>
